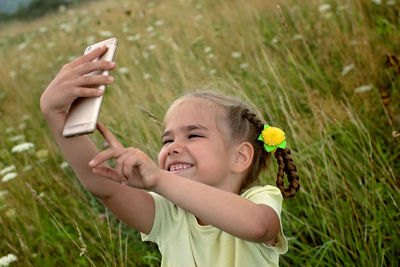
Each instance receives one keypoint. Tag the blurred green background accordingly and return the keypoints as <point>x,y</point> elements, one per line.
<point>327,72</point>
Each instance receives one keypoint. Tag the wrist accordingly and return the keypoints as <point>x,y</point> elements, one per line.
<point>156,179</point>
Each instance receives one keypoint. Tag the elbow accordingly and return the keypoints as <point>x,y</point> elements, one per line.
<point>263,232</point>
<point>266,227</point>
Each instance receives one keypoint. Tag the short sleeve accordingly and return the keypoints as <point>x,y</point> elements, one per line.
<point>272,197</point>
<point>162,206</point>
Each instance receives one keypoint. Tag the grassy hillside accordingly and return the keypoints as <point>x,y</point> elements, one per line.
<point>327,72</point>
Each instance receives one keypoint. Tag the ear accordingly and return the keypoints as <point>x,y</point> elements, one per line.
<point>242,157</point>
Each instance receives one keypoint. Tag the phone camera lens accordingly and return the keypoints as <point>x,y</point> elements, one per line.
<point>89,48</point>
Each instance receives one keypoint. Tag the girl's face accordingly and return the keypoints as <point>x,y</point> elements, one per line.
<point>194,146</point>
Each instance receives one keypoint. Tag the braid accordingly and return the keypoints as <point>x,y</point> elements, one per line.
<point>252,118</point>
<point>285,164</point>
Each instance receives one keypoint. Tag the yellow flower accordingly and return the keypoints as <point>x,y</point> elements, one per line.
<point>273,136</point>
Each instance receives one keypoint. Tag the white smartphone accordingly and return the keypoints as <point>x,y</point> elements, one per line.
<point>84,111</point>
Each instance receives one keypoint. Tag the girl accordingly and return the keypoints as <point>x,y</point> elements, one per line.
<point>197,204</point>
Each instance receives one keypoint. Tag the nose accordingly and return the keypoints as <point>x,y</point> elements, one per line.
<point>174,148</point>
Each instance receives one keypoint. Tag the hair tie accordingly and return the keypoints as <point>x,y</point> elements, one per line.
<point>273,138</point>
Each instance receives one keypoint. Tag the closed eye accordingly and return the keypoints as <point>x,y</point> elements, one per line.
<point>166,141</point>
<point>194,136</point>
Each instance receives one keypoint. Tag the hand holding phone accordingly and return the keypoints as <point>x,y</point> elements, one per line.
<point>84,111</point>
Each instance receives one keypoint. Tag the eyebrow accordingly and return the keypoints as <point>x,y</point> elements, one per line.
<point>187,129</point>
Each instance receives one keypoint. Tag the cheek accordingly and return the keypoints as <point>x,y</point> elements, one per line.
<point>161,158</point>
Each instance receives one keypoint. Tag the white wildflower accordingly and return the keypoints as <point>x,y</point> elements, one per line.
<point>125,29</point>
<point>378,2</point>
<point>213,71</point>
<point>9,176</point>
<point>159,22</point>
<point>64,165</point>
<point>13,74</point>
<point>123,70</point>
<point>137,62</point>
<point>43,29</point>
<point>198,6</point>
<point>391,3</point>
<point>151,47</point>
<point>22,46</point>
<point>150,28</point>
<point>90,39</point>
<point>145,54</point>
<point>62,8</point>
<point>363,88</point>
<point>3,193</point>
<point>51,44</point>
<point>17,138</point>
<point>7,169</point>
<point>324,8</point>
<point>133,38</point>
<point>105,34</point>
<point>244,65</point>
<point>65,27</point>
<point>207,49</point>
<point>236,54</point>
<point>9,130</point>
<point>210,56</point>
<point>22,125</point>
<point>22,147</point>
<point>274,41</point>
<point>146,76</point>
<point>347,68</point>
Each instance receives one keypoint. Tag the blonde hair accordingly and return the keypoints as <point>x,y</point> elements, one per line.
<point>245,125</point>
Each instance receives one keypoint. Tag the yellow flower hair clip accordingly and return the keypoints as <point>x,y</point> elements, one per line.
<point>273,138</point>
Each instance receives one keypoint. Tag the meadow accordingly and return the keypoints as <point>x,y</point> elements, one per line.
<point>327,72</point>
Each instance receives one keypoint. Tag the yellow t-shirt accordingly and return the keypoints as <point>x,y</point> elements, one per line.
<point>183,242</point>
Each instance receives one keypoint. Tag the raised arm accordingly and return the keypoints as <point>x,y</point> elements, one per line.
<point>134,207</point>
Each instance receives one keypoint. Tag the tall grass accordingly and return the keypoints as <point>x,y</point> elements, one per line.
<point>317,69</point>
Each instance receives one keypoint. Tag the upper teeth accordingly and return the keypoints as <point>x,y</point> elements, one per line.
<point>179,167</point>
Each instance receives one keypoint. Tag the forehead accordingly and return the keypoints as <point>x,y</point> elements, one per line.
<point>192,111</point>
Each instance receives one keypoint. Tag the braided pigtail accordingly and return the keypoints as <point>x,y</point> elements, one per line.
<point>286,165</point>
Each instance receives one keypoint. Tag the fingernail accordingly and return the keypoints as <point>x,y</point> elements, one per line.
<point>110,79</point>
<point>91,162</point>
<point>100,92</point>
<point>113,64</point>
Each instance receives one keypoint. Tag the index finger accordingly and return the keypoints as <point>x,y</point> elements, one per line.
<point>91,55</point>
<point>110,138</point>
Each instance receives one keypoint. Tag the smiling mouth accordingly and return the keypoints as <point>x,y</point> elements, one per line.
<point>179,167</point>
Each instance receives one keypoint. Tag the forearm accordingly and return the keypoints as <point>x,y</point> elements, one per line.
<point>78,151</point>
<point>222,209</point>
